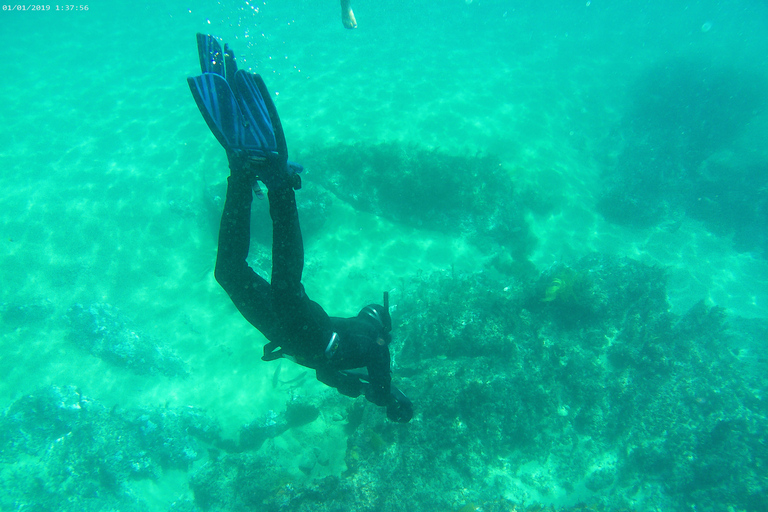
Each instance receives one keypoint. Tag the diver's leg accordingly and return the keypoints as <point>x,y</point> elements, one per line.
<point>304,320</point>
<point>287,248</point>
<point>250,293</point>
<point>347,16</point>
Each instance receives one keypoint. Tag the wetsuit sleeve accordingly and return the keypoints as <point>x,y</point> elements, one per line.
<point>346,384</point>
<point>380,376</point>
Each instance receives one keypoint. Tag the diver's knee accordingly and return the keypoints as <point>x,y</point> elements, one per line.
<point>223,275</point>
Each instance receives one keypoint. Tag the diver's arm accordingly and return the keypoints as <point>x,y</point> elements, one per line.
<point>379,376</point>
<point>399,408</point>
<point>346,384</point>
<point>382,392</point>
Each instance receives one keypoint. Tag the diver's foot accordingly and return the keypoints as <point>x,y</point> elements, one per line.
<point>246,165</point>
<point>347,16</point>
<point>281,175</point>
<point>290,177</point>
<point>267,168</point>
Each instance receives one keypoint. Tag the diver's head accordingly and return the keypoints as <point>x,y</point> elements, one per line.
<point>378,317</point>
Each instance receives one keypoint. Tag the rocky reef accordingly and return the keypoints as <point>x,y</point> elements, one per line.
<point>63,451</point>
<point>585,375</point>
<point>575,390</point>
<point>675,152</point>
<point>429,189</point>
<point>590,397</point>
<point>105,332</point>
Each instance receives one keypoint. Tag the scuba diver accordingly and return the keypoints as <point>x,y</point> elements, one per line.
<point>239,111</point>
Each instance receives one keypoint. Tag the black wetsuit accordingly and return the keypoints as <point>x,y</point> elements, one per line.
<point>282,311</point>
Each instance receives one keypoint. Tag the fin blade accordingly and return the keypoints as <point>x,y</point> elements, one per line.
<point>220,110</point>
<point>230,67</point>
<point>255,111</point>
<point>277,126</point>
<point>211,56</point>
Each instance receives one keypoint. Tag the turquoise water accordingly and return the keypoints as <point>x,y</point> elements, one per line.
<point>111,188</point>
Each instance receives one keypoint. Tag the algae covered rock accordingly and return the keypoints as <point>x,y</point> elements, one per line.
<point>105,332</point>
<point>61,450</point>
<point>585,363</point>
<point>578,383</point>
<point>429,189</point>
<point>596,290</point>
<point>14,315</point>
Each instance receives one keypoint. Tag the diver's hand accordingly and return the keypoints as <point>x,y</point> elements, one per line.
<point>377,395</point>
<point>399,408</point>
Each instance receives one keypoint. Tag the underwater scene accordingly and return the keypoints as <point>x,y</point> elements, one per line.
<point>566,201</point>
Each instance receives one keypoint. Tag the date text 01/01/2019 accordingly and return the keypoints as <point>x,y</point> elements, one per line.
<point>36,7</point>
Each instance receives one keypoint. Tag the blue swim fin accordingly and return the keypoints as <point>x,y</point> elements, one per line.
<point>255,109</point>
<point>211,56</point>
<point>238,109</point>
<point>230,67</point>
<point>221,112</point>
<point>214,60</point>
<point>262,113</point>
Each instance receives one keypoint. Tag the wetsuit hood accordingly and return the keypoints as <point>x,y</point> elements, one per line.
<point>378,317</point>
